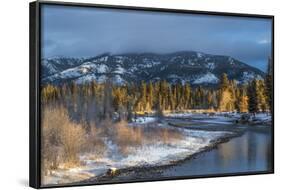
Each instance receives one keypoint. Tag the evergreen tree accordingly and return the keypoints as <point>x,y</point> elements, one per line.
<point>243,100</point>
<point>224,82</point>
<point>261,96</point>
<point>252,97</point>
<point>186,95</point>
<point>107,100</point>
<point>210,99</point>
<point>172,104</point>
<point>143,96</point>
<point>269,85</point>
<point>226,100</point>
<point>150,96</point>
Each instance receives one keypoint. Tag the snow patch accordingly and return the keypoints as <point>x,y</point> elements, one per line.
<point>248,76</point>
<point>144,120</point>
<point>102,79</point>
<point>86,79</point>
<point>117,79</point>
<point>179,115</point>
<point>210,65</point>
<point>173,76</point>
<point>207,78</point>
<point>148,63</point>
<point>120,70</point>
<point>199,55</point>
<point>103,59</point>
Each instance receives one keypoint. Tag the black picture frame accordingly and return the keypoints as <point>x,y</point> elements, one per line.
<point>34,89</point>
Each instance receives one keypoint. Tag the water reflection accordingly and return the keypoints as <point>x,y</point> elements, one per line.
<point>250,152</point>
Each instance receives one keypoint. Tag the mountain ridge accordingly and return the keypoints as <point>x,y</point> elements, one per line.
<point>196,68</point>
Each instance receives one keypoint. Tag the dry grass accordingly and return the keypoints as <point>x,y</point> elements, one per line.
<point>119,133</point>
<point>72,140</point>
<point>95,141</point>
<point>127,137</point>
<point>161,135</point>
<point>62,139</point>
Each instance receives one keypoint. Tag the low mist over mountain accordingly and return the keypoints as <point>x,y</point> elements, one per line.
<point>193,67</point>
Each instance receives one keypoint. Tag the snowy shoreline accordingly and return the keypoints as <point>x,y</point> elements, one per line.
<point>150,156</point>
<point>127,172</point>
<point>173,157</point>
<point>226,117</point>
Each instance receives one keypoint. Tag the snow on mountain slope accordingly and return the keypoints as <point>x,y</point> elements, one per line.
<point>206,78</point>
<point>250,76</point>
<point>197,68</point>
<point>53,65</point>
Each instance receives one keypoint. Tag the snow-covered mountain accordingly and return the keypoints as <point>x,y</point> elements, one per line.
<point>55,65</point>
<point>180,67</point>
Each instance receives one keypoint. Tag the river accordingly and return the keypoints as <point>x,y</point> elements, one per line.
<point>250,152</point>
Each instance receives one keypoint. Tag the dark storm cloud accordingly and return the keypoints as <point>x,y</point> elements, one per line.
<point>76,32</point>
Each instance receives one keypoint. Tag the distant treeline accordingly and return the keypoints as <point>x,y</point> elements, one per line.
<point>95,100</point>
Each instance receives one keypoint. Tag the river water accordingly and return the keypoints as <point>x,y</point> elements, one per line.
<point>250,152</point>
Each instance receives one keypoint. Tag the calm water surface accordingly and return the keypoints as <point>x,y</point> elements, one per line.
<point>247,153</point>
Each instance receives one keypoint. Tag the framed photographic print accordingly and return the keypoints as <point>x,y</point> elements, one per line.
<point>130,94</point>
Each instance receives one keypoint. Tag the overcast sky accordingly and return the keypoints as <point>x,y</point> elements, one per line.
<point>79,32</point>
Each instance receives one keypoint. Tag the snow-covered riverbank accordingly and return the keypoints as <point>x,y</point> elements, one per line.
<point>225,117</point>
<point>160,144</point>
